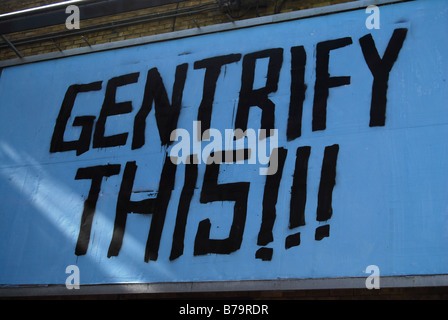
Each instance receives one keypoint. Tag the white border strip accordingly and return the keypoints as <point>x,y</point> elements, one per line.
<point>226,286</point>
<point>295,15</point>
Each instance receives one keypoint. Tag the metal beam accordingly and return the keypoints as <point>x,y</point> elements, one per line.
<point>55,14</point>
<point>116,24</point>
<point>9,43</point>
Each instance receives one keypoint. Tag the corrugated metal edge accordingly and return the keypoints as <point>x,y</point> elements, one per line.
<point>412,281</point>
<point>295,15</point>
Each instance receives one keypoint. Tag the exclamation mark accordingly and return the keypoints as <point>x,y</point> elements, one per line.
<point>325,196</point>
<point>298,196</point>
<point>270,196</point>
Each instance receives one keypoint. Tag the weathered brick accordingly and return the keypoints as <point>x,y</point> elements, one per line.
<point>139,30</point>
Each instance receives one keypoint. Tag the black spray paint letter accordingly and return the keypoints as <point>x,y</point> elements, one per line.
<point>112,108</point>
<point>86,122</point>
<point>324,82</point>
<point>157,207</point>
<point>213,68</point>
<point>191,176</point>
<point>298,196</point>
<point>380,69</point>
<point>166,113</point>
<point>325,195</point>
<point>250,97</point>
<point>270,196</point>
<point>298,189</point>
<point>96,174</point>
<point>298,89</point>
<point>212,191</point>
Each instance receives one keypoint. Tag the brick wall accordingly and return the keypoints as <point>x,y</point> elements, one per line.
<point>209,17</point>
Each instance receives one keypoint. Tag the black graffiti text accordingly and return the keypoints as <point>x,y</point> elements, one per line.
<point>167,113</point>
<point>211,191</point>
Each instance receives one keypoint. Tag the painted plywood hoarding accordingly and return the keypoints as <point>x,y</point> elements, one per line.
<point>112,161</point>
